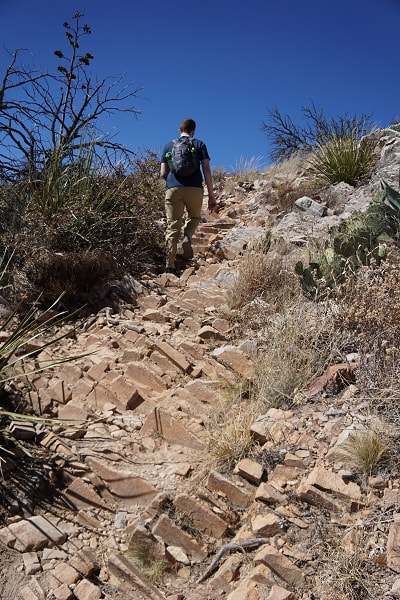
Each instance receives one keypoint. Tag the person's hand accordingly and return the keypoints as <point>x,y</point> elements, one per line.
<point>212,204</point>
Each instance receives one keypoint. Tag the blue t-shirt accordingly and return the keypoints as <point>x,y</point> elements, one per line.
<point>195,180</point>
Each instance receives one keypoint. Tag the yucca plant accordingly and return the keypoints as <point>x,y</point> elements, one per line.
<point>343,158</point>
<point>18,335</point>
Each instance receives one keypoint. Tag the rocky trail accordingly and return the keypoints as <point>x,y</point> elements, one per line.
<point>131,488</point>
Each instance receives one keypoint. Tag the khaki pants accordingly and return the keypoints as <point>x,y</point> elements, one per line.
<point>176,200</point>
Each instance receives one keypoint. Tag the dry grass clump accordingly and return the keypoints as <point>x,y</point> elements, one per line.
<point>286,194</point>
<point>346,572</point>
<point>295,346</point>
<point>262,276</point>
<point>153,567</point>
<point>291,168</point>
<point>230,438</point>
<point>248,168</point>
<point>367,449</point>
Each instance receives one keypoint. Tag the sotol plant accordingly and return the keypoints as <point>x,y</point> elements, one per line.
<point>343,158</point>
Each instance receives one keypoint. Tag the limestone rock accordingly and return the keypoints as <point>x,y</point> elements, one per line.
<point>279,564</point>
<point>235,495</point>
<point>308,205</point>
<point>81,495</point>
<point>279,593</point>
<point>172,535</point>
<point>235,359</point>
<point>201,516</point>
<point>86,590</point>
<point>269,494</point>
<point>266,524</point>
<point>127,488</point>
<point>250,470</point>
<point>171,430</point>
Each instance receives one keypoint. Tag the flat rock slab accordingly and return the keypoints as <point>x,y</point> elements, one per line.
<point>82,496</point>
<point>235,358</point>
<point>279,564</point>
<point>229,490</point>
<point>171,430</point>
<point>127,489</point>
<point>32,534</point>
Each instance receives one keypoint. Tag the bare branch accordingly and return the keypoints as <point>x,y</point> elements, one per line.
<point>288,138</point>
<point>51,113</point>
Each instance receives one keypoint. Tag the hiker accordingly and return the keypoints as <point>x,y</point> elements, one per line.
<point>181,160</point>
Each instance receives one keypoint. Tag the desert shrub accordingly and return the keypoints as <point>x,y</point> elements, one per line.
<point>370,304</point>
<point>343,158</point>
<point>370,309</point>
<point>229,438</point>
<point>71,274</point>
<point>286,194</point>
<point>219,176</point>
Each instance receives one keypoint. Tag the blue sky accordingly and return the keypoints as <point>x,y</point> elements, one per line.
<point>224,63</point>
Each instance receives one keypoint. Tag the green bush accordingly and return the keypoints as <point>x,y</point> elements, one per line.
<point>83,224</point>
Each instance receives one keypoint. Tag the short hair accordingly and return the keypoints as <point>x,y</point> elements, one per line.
<point>187,126</point>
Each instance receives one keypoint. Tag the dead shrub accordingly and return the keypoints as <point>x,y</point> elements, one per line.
<point>70,274</point>
<point>153,567</point>
<point>346,572</point>
<point>371,303</point>
<point>230,438</point>
<point>370,308</point>
<point>286,194</point>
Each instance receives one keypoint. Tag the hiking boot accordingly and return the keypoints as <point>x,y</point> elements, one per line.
<point>187,248</point>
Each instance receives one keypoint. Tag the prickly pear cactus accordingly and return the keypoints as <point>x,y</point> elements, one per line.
<point>355,242</point>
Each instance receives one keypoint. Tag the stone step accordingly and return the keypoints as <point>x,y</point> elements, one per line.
<point>199,248</point>
<point>219,225</point>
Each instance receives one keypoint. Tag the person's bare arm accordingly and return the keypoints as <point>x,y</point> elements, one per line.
<point>212,203</point>
<point>164,170</point>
